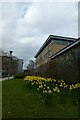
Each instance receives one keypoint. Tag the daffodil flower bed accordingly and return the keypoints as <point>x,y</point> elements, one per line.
<point>47,87</point>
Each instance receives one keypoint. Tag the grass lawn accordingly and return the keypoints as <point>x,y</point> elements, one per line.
<point>20,102</point>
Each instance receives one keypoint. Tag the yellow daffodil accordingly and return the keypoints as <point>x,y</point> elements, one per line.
<point>78,84</point>
<point>64,83</point>
<point>32,83</point>
<point>55,89</point>
<point>45,91</point>
<point>40,86</point>
<point>58,90</point>
<point>60,85</point>
<point>54,80</point>
<point>48,87</point>
<point>37,88</point>
<point>71,87</point>
<point>65,86</point>
<point>44,85</point>
<point>49,91</point>
<point>62,80</point>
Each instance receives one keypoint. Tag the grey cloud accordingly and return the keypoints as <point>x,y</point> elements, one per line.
<point>50,16</point>
<point>27,25</point>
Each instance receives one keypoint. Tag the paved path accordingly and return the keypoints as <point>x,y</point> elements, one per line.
<point>6,78</point>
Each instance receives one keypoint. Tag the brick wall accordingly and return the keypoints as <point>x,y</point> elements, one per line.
<point>68,64</point>
<point>65,66</point>
<point>44,56</point>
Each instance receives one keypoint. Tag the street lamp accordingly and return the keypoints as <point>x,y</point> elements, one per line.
<point>10,52</point>
<point>10,55</point>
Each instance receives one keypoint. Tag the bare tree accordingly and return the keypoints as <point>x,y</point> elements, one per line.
<point>31,64</point>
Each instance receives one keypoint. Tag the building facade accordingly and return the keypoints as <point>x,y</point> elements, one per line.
<point>52,45</point>
<point>10,64</point>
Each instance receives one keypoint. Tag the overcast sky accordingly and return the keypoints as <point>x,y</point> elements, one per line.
<point>27,25</point>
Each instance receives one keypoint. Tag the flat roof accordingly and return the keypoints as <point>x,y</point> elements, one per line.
<point>56,38</point>
<point>65,49</point>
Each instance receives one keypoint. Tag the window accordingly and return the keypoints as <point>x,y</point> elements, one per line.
<point>63,42</point>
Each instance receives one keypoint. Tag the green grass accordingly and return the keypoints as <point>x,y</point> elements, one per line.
<point>20,102</point>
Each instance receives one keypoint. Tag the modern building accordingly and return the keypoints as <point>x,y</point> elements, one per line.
<point>9,64</point>
<point>20,66</point>
<point>51,46</point>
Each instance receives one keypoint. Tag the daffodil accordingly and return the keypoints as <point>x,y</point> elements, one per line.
<point>40,86</point>
<point>71,87</point>
<point>64,83</point>
<point>65,86</point>
<point>44,85</point>
<point>62,80</point>
<point>54,80</point>
<point>61,85</point>
<point>37,88</point>
<point>49,91</point>
<point>54,89</point>
<point>48,87</point>
<point>45,91</point>
<point>32,83</point>
<point>58,90</point>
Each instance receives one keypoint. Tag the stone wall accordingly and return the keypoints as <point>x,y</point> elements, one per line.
<point>68,64</point>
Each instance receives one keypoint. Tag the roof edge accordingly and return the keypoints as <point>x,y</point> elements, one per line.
<point>55,37</point>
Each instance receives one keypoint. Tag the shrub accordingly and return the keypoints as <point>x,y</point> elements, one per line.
<point>22,75</point>
<point>48,70</point>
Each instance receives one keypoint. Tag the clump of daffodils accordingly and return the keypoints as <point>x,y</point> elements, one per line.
<point>56,89</point>
<point>31,78</point>
<point>74,86</point>
<point>41,83</point>
<point>48,85</point>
